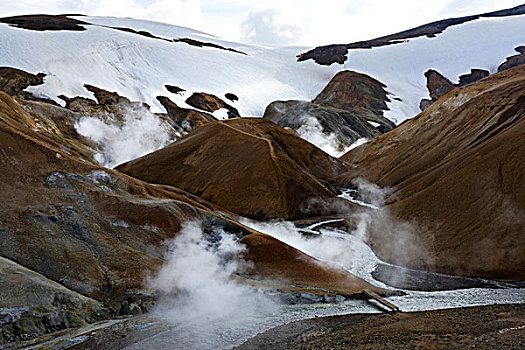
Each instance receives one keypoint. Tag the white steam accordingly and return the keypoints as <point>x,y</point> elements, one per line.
<point>312,131</point>
<point>140,133</point>
<point>351,250</point>
<point>197,284</point>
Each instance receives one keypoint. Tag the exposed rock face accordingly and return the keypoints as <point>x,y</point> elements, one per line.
<point>514,61</point>
<point>437,84</point>
<point>358,93</point>
<point>211,103</point>
<point>456,169</point>
<point>284,267</point>
<point>473,76</point>
<point>45,22</point>
<point>347,126</point>
<point>23,314</point>
<point>185,118</point>
<point>349,107</point>
<point>198,43</point>
<point>231,97</point>
<point>329,54</point>
<point>174,89</point>
<point>249,166</point>
<point>13,81</point>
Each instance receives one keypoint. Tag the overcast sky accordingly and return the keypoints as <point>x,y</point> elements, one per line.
<point>275,22</point>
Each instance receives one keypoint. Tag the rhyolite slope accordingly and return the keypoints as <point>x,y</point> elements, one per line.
<point>456,170</point>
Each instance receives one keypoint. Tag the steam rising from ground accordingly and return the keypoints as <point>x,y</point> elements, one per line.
<point>312,131</point>
<point>140,133</point>
<point>350,249</point>
<point>196,283</point>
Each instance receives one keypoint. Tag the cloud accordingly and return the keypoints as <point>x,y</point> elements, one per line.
<point>292,22</point>
<point>265,27</point>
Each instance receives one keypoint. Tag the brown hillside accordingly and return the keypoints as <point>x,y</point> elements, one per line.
<point>457,168</point>
<point>249,166</point>
<point>290,269</point>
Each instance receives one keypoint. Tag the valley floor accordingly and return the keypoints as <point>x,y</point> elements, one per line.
<point>492,326</point>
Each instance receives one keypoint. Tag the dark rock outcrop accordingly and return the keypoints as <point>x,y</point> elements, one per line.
<point>437,84</point>
<point>514,61</point>
<point>174,89</point>
<point>231,97</point>
<point>358,93</point>
<point>474,75</point>
<point>347,126</point>
<point>185,118</point>
<point>329,54</point>
<point>211,103</point>
<point>45,22</point>
<point>14,81</point>
<point>198,43</point>
<point>349,107</point>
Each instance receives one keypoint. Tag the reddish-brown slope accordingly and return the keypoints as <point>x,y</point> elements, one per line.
<point>249,166</point>
<point>458,169</point>
<point>290,269</point>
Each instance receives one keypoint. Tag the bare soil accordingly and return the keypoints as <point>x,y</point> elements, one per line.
<point>485,327</point>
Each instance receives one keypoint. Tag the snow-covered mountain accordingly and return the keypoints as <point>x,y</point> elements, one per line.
<point>138,66</point>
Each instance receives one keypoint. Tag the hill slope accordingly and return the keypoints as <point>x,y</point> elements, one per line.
<point>249,166</point>
<point>457,168</point>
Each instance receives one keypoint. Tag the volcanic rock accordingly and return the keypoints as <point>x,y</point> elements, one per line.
<point>356,92</point>
<point>437,84</point>
<point>456,169</point>
<point>174,89</point>
<point>231,97</point>
<point>185,117</point>
<point>45,22</point>
<point>473,76</point>
<point>329,54</point>
<point>347,126</point>
<point>514,61</point>
<point>211,103</point>
<point>13,81</point>
<point>249,166</point>
<point>349,107</point>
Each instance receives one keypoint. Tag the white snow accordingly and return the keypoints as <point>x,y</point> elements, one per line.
<point>138,67</point>
<point>483,43</point>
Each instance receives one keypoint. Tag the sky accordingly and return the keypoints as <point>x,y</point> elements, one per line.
<point>273,22</point>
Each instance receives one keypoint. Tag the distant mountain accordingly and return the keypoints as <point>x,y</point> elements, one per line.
<point>137,58</point>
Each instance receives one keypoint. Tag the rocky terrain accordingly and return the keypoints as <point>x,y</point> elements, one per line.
<point>455,169</point>
<point>249,166</point>
<point>487,327</point>
<point>350,107</point>
<point>102,170</point>
<point>86,237</point>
